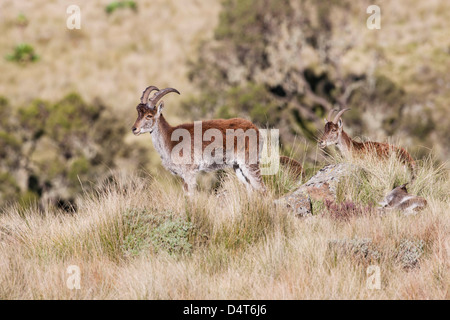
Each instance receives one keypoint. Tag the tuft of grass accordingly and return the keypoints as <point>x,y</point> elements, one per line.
<point>282,182</point>
<point>346,210</point>
<point>375,177</point>
<point>256,221</point>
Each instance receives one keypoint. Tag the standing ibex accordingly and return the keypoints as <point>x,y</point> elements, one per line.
<point>334,134</point>
<point>237,143</point>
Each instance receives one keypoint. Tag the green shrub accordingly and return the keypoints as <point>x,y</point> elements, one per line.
<point>23,53</point>
<point>113,6</point>
<point>160,231</point>
<point>28,199</point>
<point>409,252</point>
<point>9,189</point>
<point>60,144</point>
<point>172,236</point>
<point>21,20</point>
<point>80,166</point>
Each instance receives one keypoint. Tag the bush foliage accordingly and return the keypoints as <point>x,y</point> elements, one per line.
<point>51,151</point>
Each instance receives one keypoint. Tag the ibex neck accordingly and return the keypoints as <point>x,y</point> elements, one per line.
<point>164,126</point>
<point>345,143</point>
<point>161,138</point>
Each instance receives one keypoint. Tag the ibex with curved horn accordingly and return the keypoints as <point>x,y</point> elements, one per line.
<point>334,134</point>
<point>206,145</point>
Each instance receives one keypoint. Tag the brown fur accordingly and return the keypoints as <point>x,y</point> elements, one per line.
<point>294,167</point>
<point>334,134</point>
<point>221,124</point>
<point>400,199</point>
<point>150,119</point>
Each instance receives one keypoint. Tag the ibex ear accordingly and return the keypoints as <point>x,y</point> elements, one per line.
<point>325,120</point>
<point>340,123</point>
<point>160,107</point>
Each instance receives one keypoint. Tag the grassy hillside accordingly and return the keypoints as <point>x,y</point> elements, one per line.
<point>136,239</point>
<point>112,57</point>
<point>136,236</point>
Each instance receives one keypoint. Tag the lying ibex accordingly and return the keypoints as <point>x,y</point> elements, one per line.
<point>334,134</point>
<point>400,199</point>
<point>211,145</point>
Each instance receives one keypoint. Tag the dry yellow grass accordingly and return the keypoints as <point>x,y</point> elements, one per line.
<point>239,247</point>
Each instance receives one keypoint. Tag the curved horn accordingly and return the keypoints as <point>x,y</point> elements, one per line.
<point>154,100</point>
<point>338,116</point>
<point>146,93</point>
<point>330,114</point>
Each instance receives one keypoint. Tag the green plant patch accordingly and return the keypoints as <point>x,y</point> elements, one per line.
<point>159,231</point>
<point>113,6</point>
<point>23,53</point>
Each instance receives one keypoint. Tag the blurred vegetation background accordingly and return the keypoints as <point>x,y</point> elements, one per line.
<point>68,97</point>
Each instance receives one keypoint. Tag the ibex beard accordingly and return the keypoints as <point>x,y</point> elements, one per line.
<point>216,144</point>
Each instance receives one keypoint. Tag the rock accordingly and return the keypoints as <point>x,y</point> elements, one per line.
<point>299,202</point>
<point>323,185</point>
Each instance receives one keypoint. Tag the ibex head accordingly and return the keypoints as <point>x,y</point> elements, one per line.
<point>148,111</point>
<point>396,196</point>
<point>333,129</point>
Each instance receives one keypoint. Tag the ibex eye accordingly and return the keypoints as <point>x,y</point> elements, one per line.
<point>148,117</point>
